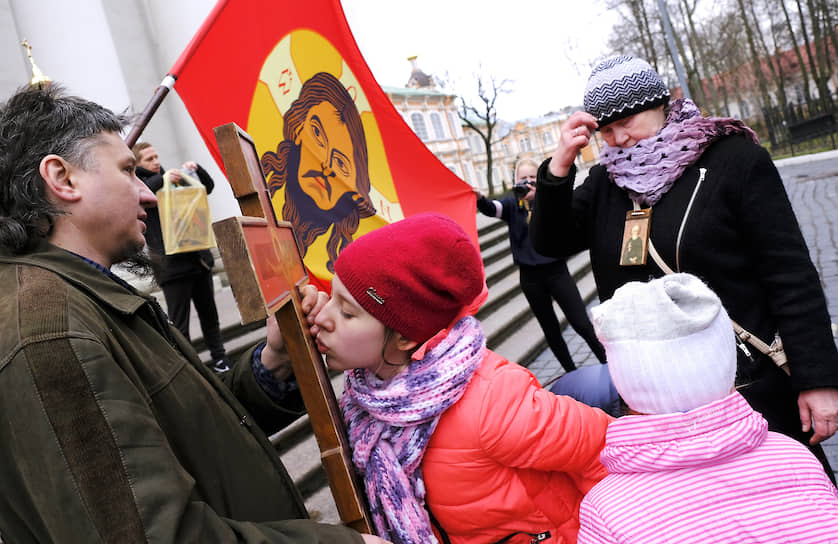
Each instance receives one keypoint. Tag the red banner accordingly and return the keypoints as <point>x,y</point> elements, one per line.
<point>338,158</point>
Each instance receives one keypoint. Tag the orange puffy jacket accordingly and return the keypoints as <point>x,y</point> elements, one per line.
<point>511,456</point>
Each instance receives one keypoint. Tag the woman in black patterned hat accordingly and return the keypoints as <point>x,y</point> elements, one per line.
<point>710,200</point>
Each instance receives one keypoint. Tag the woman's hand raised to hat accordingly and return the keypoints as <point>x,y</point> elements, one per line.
<point>576,132</point>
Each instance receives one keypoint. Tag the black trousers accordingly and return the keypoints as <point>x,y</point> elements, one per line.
<point>552,281</point>
<point>198,290</point>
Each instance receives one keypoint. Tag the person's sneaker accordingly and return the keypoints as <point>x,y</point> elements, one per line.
<point>220,366</point>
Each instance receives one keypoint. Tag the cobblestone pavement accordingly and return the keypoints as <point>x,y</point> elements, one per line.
<point>812,185</point>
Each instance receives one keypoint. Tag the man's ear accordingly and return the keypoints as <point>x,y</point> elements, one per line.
<point>56,173</point>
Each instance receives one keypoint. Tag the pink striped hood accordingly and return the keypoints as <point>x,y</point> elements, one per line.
<point>708,435</point>
<point>711,475</point>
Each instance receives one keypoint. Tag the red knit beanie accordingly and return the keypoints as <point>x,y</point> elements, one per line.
<point>414,275</point>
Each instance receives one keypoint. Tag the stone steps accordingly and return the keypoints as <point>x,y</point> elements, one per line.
<point>510,327</point>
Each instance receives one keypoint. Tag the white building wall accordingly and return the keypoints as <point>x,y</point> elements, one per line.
<point>114,52</point>
<point>14,68</point>
<point>73,44</point>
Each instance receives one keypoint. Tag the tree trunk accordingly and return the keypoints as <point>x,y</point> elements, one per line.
<point>636,6</point>
<point>690,68</point>
<point>823,75</point>
<point>770,58</point>
<point>641,16</point>
<point>831,29</point>
<point>652,52</point>
<point>719,72</point>
<point>828,34</point>
<point>803,72</point>
<point>489,170</point>
<point>700,56</point>
<point>812,64</point>
<point>755,60</point>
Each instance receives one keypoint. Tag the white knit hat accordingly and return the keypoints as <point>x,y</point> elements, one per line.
<point>670,344</point>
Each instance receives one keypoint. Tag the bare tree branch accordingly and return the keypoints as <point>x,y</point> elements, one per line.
<point>482,118</point>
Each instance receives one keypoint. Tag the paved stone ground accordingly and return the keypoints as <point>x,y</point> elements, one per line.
<point>812,184</point>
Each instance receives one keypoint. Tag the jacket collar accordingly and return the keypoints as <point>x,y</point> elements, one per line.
<point>82,275</point>
<point>708,435</point>
<point>144,173</point>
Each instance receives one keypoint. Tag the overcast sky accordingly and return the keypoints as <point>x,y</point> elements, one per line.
<point>547,47</point>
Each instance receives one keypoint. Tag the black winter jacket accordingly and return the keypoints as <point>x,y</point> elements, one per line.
<point>741,237</point>
<point>519,237</point>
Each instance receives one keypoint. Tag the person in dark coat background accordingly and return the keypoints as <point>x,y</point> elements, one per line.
<point>185,278</point>
<point>542,278</point>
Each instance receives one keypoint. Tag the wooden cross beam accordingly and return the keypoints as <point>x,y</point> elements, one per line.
<point>266,271</point>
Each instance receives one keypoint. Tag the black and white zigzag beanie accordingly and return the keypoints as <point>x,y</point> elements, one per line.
<point>622,86</point>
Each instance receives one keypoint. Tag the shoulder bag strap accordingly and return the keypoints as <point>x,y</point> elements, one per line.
<point>775,351</point>
<point>535,538</point>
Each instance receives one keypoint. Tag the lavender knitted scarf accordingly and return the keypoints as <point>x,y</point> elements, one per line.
<point>390,422</point>
<point>648,170</point>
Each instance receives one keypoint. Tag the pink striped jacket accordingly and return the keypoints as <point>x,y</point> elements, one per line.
<point>711,475</point>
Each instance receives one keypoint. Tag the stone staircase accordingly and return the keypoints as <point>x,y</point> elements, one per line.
<point>510,328</point>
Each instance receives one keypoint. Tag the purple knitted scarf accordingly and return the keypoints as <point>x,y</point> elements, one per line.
<point>390,422</point>
<point>648,170</point>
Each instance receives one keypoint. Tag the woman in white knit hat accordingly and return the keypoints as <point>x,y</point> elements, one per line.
<point>697,464</point>
<point>710,200</point>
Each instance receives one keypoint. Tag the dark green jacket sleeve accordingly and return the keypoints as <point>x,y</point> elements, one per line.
<point>270,416</point>
<point>111,433</point>
<point>92,464</point>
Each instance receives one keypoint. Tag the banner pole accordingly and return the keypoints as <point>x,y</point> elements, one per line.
<point>156,99</point>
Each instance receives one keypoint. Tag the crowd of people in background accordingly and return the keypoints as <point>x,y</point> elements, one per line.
<point>115,431</point>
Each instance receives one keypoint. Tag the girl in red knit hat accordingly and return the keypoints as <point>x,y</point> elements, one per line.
<point>438,423</point>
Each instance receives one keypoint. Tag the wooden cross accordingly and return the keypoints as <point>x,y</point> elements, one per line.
<point>265,269</point>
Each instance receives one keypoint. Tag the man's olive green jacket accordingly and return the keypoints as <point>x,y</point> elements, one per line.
<point>111,429</point>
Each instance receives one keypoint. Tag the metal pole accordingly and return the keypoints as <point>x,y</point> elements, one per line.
<point>156,99</point>
<point>673,50</point>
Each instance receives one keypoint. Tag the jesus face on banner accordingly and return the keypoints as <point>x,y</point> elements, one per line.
<point>327,160</point>
<point>322,165</point>
<point>320,149</point>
